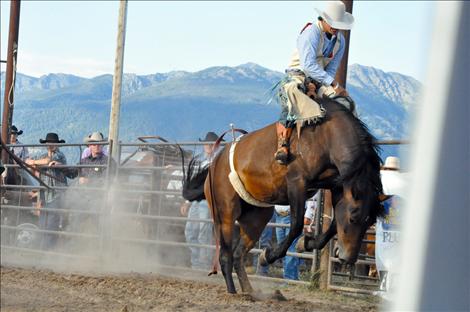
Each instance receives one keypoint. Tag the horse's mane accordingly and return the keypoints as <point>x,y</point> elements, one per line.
<point>363,172</point>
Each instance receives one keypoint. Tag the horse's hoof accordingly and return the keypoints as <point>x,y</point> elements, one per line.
<point>300,246</point>
<point>277,295</point>
<point>262,258</point>
<point>260,296</point>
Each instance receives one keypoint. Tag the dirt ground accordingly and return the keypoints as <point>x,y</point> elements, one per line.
<point>41,290</point>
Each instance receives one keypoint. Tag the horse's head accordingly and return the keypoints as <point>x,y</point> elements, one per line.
<point>353,150</point>
<point>354,215</point>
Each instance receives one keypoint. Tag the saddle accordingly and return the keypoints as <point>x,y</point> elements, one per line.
<point>346,101</point>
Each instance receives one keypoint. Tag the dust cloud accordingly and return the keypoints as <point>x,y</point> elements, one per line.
<point>113,229</point>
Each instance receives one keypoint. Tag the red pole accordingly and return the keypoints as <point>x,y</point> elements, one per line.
<point>10,73</point>
<point>343,66</point>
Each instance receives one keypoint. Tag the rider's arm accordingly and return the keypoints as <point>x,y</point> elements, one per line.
<point>307,45</point>
<point>333,65</point>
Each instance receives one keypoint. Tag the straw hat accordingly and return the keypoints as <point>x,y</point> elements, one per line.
<point>336,16</point>
<point>95,137</point>
<point>392,163</point>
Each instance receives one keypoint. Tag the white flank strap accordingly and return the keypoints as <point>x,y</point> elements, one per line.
<point>238,184</point>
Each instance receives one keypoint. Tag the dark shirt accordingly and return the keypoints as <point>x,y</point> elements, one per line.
<point>95,173</point>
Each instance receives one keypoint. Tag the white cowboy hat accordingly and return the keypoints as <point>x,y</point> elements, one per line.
<point>336,16</point>
<point>94,137</point>
<point>392,163</point>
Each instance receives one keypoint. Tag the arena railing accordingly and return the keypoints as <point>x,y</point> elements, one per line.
<point>158,196</point>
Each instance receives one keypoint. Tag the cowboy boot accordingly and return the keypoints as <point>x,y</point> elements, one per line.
<point>283,136</point>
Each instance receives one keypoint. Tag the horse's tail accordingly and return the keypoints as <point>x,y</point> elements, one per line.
<point>193,181</point>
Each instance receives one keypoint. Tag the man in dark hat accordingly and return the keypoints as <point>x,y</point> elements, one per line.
<point>20,151</point>
<point>210,139</point>
<point>51,198</point>
<point>200,232</point>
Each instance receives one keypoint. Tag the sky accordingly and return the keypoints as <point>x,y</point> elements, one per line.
<point>80,37</point>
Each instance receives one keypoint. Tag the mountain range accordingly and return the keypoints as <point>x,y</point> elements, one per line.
<point>183,106</point>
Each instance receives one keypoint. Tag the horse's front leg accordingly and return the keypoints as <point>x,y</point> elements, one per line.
<point>309,242</point>
<point>297,200</point>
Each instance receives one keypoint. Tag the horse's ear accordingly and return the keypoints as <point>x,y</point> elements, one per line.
<point>383,197</point>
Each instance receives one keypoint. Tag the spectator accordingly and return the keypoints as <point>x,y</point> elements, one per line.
<point>87,152</point>
<point>290,264</point>
<point>387,228</point>
<point>91,176</point>
<point>20,151</point>
<point>51,220</point>
<point>200,232</point>
<point>96,157</point>
<point>311,207</point>
<point>265,241</point>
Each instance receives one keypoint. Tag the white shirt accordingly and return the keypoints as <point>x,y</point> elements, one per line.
<point>282,209</point>
<point>388,237</point>
<point>311,206</point>
<point>393,182</point>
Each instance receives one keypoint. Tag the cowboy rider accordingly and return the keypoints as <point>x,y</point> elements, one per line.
<point>320,48</point>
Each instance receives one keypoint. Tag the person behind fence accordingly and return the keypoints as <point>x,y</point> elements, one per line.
<point>20,151</point>
<point>387,228</point>
<point>290,263</point>
<point>94,175</point>
<point>311,72</point>
<point>200,232</point>
<point>90,199</point>
<point>51,198</point>
<point>311,208</point>
<point>265,241</point>
<point>87,151</point>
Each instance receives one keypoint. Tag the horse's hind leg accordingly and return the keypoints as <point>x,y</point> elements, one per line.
<point>224,211</point>
<point>226,255</point>
<point>239,252</point>
<point>251,224</point>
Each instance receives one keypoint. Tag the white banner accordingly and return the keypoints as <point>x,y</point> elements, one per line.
<point>388,235</point>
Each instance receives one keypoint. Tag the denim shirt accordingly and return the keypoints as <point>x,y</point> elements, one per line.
<point>58,173</point>
<point>22,152</point>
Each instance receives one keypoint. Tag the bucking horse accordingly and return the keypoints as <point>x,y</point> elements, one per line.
<point>338,154</point>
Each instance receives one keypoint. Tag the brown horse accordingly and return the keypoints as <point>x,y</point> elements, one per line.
<point>339,154</point>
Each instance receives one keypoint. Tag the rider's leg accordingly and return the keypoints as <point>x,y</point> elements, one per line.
<point>283,136</point>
